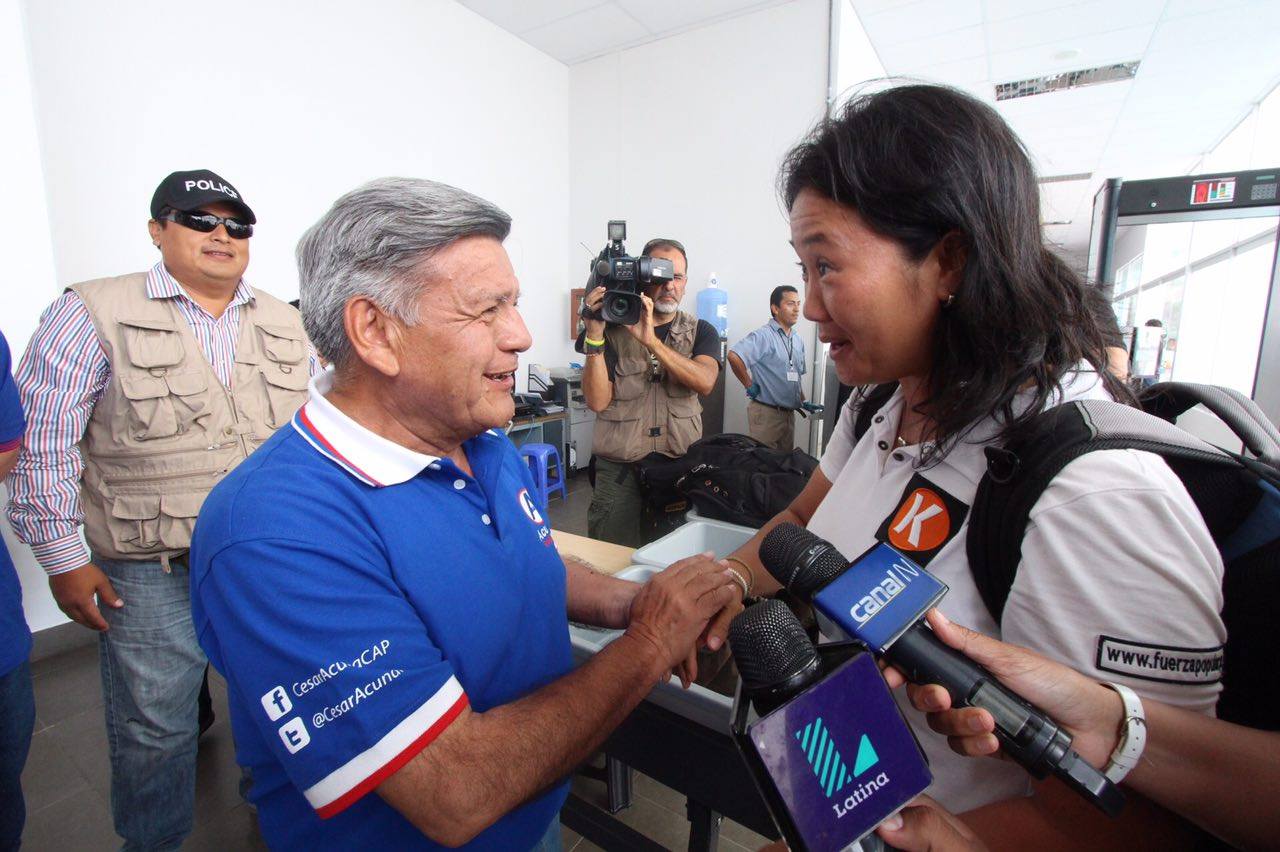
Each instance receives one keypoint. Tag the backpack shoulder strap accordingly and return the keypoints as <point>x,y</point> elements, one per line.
<point>1242,415</point>
<point>872,402</point>
<point>1018,473</point>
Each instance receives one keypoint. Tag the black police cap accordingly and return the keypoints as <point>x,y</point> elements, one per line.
<point>187,191</point>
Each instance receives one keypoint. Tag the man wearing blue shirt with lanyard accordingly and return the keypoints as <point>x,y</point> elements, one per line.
<point>17,701</point>
<point>377,584</point>
<point>769,362</point>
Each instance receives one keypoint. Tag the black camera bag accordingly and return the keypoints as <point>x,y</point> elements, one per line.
<point>728,477</point>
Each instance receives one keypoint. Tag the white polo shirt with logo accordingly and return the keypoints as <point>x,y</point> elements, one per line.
<point>1119,575</point>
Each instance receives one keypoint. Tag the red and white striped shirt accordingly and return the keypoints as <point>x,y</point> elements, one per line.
<point>60,379</point>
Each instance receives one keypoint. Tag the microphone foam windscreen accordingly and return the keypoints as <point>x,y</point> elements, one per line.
<point>769,645</point>
<point>799,560</point>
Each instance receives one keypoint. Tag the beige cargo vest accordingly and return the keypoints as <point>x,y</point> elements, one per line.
<point>624,430</point>
<point>165,430</point>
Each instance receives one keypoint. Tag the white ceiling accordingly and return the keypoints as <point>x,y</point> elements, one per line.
<point>1204,64</point>
<point>577,30</point>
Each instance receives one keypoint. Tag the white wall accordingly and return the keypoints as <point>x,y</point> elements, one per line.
<point>24,242</point>
<point>294,103</point>
<point>857,62</point>
<point>683,138</point>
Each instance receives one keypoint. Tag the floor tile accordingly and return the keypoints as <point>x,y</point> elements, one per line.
<point>85,652</point>
<point>80,822</point>
<point>50,774</point>
<point>236,829</point>
<point>569,838</point>
<point>659,794</point>
<point>83,738</point>
<point>217,773</point>
<point>65,687</point>
<point>741,835</point>
<point>656,823</point>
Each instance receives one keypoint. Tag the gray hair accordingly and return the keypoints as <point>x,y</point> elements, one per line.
<point>372,242</point>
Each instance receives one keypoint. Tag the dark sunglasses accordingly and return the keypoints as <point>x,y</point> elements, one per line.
<point>205,223</point>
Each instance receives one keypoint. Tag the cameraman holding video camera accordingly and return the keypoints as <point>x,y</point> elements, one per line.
<point>643,379</point>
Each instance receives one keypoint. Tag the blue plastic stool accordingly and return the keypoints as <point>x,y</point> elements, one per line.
<point>540,458</point>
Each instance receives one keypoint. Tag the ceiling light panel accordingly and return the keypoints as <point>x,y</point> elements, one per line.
<point>1012,62</point>
<point>1068,80</point>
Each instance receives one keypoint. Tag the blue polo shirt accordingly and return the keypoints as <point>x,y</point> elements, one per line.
<point>357,596</point>
<point>770,354</point>
<point>15,637</point>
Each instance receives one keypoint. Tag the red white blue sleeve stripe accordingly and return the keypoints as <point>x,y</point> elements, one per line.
<point>348,783</point>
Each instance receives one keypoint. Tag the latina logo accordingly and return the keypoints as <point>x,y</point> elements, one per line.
<point>833,773</point>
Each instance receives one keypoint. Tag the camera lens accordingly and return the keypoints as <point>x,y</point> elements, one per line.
<point>617,306</point>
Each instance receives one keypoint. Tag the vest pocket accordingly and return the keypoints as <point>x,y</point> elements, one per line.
<point>165,405</point>
<point>630,378</point>
<point>678,391</point>
<point>684,404</point>
<point>151,412</point>
<point>135,522</point>
<point>144,523</point>
<point>617,415</point>
<point>683,431</point>
<point>281,344</point>
<point>152,343</point>
<point>178,518</point>
<point>286,389</point>
<point>190,395</point>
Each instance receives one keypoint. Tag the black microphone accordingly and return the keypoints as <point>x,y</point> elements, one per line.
<point>830,751</point>
<point>774,656</point>
<point>881,600</point>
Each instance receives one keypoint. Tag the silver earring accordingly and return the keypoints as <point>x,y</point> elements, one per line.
<point>951,297</point>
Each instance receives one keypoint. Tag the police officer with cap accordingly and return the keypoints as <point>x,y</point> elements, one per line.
<point>142,392</point>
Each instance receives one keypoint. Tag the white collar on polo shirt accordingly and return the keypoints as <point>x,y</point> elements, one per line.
<point>364,454</point>
<point>968,454</point>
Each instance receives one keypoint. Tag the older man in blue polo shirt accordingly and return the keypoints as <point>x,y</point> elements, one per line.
<point>17,699</point>
<point>376,582</point>
<point>769,362</point>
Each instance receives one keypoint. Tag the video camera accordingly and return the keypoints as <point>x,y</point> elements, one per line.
<point>624,278</point>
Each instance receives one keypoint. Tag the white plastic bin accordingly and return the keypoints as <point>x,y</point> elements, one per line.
<point>691,539</point>
<point>696,703</point>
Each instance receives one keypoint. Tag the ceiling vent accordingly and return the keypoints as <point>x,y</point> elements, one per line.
<point>1066,80</point>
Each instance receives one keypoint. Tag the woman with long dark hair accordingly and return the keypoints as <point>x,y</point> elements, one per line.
<point>915,215</point>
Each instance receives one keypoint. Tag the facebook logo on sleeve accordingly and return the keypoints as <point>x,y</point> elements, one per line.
<point>276,702</point>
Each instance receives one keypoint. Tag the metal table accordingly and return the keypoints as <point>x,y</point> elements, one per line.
<point>679,738</point>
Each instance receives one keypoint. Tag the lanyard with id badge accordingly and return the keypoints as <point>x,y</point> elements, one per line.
<point>793,375</point>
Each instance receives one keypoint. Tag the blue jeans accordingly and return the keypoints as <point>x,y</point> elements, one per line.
<point>151,672</point>
<point>17,720</point>
<point>550,841</point>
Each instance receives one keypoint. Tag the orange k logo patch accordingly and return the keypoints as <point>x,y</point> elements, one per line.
<point>924,521</point>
